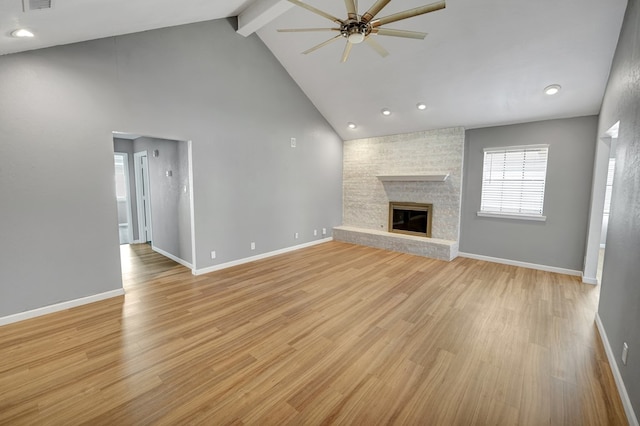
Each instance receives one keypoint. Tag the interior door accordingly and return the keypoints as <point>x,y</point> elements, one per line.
<point>143,195</point>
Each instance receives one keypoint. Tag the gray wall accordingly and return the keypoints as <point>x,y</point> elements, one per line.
<point>366,198</point>
<point>560,241</point>
<point>619,307</point>
<point>200,82</point>
<point>231,97</point>
<point>58,214</point>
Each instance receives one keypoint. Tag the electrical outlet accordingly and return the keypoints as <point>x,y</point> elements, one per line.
<point>213,254</point>
<point>293,142</point>
<point>253,246</point>
<point>324,231</point>
<point>625,352</point>
<point>296,235</point>
<point>315,232</point>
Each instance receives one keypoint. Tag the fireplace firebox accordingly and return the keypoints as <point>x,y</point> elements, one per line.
<point>410,218</point>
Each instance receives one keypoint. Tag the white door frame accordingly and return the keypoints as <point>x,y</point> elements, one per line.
<point>143,196</point>
<point>596,211</point>
<point>192,206</point>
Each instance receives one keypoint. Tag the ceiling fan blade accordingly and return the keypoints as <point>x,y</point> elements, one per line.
<point>399,33</point>
<point>347,50</point>
<point>303,30</point>
<point>314,48</point>
<point>352,10</point>
<point>317,11</point>
<point>374,10</point>
<point>408,13</point>
<point>377,47</point>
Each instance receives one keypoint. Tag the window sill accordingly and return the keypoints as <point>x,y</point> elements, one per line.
<point>513,216</point>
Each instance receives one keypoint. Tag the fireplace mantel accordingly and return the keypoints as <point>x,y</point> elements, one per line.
<point>414,178</point>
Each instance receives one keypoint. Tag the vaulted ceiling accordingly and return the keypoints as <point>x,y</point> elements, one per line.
<point>483,63</point>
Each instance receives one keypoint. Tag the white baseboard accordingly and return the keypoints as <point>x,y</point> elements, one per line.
<point>60,307</point>
<point>622,390</point>
<point>521,264</point>
<point>259,257</point>
<point>171,256</point>
<point>588,280</point>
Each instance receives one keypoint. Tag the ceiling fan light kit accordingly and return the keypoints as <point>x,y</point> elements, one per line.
<point>360,28</point>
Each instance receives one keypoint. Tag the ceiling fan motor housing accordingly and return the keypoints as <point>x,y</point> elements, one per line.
<point>355,31</point>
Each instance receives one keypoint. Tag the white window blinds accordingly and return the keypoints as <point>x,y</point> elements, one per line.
<point>513,180</point>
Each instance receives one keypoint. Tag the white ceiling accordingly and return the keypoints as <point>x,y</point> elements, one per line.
<point>70,21</point>
<point>483,63</point>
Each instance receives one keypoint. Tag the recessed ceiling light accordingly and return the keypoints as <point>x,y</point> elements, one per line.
<point>22,33</point>
<point>351,125</point>
<point>421,106</point>
<point>552,90</point>
<point>386,111</point>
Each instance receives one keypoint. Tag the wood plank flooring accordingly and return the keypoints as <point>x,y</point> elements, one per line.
<point>332,334</point>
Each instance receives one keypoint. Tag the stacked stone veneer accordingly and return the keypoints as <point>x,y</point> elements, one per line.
<point>428,247</point>
<point>366,198</point>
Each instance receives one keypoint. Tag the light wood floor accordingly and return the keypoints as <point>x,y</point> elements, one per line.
<point>333,334</point>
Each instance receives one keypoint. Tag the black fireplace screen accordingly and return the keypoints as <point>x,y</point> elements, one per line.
<point>410,218</point>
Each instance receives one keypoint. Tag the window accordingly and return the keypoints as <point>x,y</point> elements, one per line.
<point>121,186</point>
<point>513,182</point>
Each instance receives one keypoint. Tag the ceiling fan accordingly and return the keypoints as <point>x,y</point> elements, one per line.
<point>358,28</point>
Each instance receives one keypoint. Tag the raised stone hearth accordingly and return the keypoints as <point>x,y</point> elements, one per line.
<point>421,246</point>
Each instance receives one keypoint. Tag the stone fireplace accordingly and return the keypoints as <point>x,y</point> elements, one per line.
<point>423,168</point>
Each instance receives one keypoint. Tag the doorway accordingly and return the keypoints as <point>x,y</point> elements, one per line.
<point>161,195</point>
<point>607,209</point>
<point>602,186</point>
